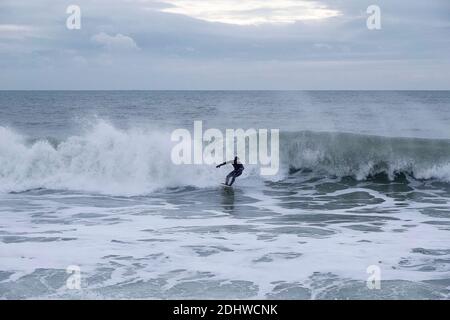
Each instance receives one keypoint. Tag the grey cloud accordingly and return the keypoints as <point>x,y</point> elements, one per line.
<point>135,35</point>
<point>118,42</point>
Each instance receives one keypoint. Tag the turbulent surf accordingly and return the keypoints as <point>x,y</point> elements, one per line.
<point>362,186</point>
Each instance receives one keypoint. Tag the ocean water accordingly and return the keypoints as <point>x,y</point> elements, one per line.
<point>86,180</point>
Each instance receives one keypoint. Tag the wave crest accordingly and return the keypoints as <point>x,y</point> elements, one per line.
<point>104,160</point>
<point>361,156</point>
<point>131,162</point>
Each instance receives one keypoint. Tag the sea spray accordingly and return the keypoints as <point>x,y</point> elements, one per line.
<point>109,160</point>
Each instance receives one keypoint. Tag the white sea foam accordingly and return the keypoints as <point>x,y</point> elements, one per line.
<point>104,160</point>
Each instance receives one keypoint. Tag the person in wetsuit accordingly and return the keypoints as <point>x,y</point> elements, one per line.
<point>238,168</point>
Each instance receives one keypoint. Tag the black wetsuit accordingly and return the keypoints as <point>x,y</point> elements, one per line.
<point>238,168</point>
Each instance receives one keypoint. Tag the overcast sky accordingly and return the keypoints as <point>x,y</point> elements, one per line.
<point>225,44</point>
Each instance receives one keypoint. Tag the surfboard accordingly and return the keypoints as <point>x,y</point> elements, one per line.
<point>226,186</point>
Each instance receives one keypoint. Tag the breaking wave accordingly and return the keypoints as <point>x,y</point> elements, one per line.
<point>104,160</point>
<point>362,156</point>
<point>129,162</point>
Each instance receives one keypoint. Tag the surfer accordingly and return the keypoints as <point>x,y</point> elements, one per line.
<point>238,168</point>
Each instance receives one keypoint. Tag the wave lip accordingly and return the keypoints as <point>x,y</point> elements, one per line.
<point>362,156</point>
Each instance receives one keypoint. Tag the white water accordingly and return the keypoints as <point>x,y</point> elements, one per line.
<point>108,160</point>
<point>309,231</point>
<point>104,160</point>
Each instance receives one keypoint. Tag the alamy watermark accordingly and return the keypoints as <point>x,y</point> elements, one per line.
<point>208,147</point>
<point>73,282</point>
<point>73,21</point>
<point>374,20</point>
<point>374,280</point>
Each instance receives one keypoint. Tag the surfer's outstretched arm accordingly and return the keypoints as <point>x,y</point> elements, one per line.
<point>224,163</point>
